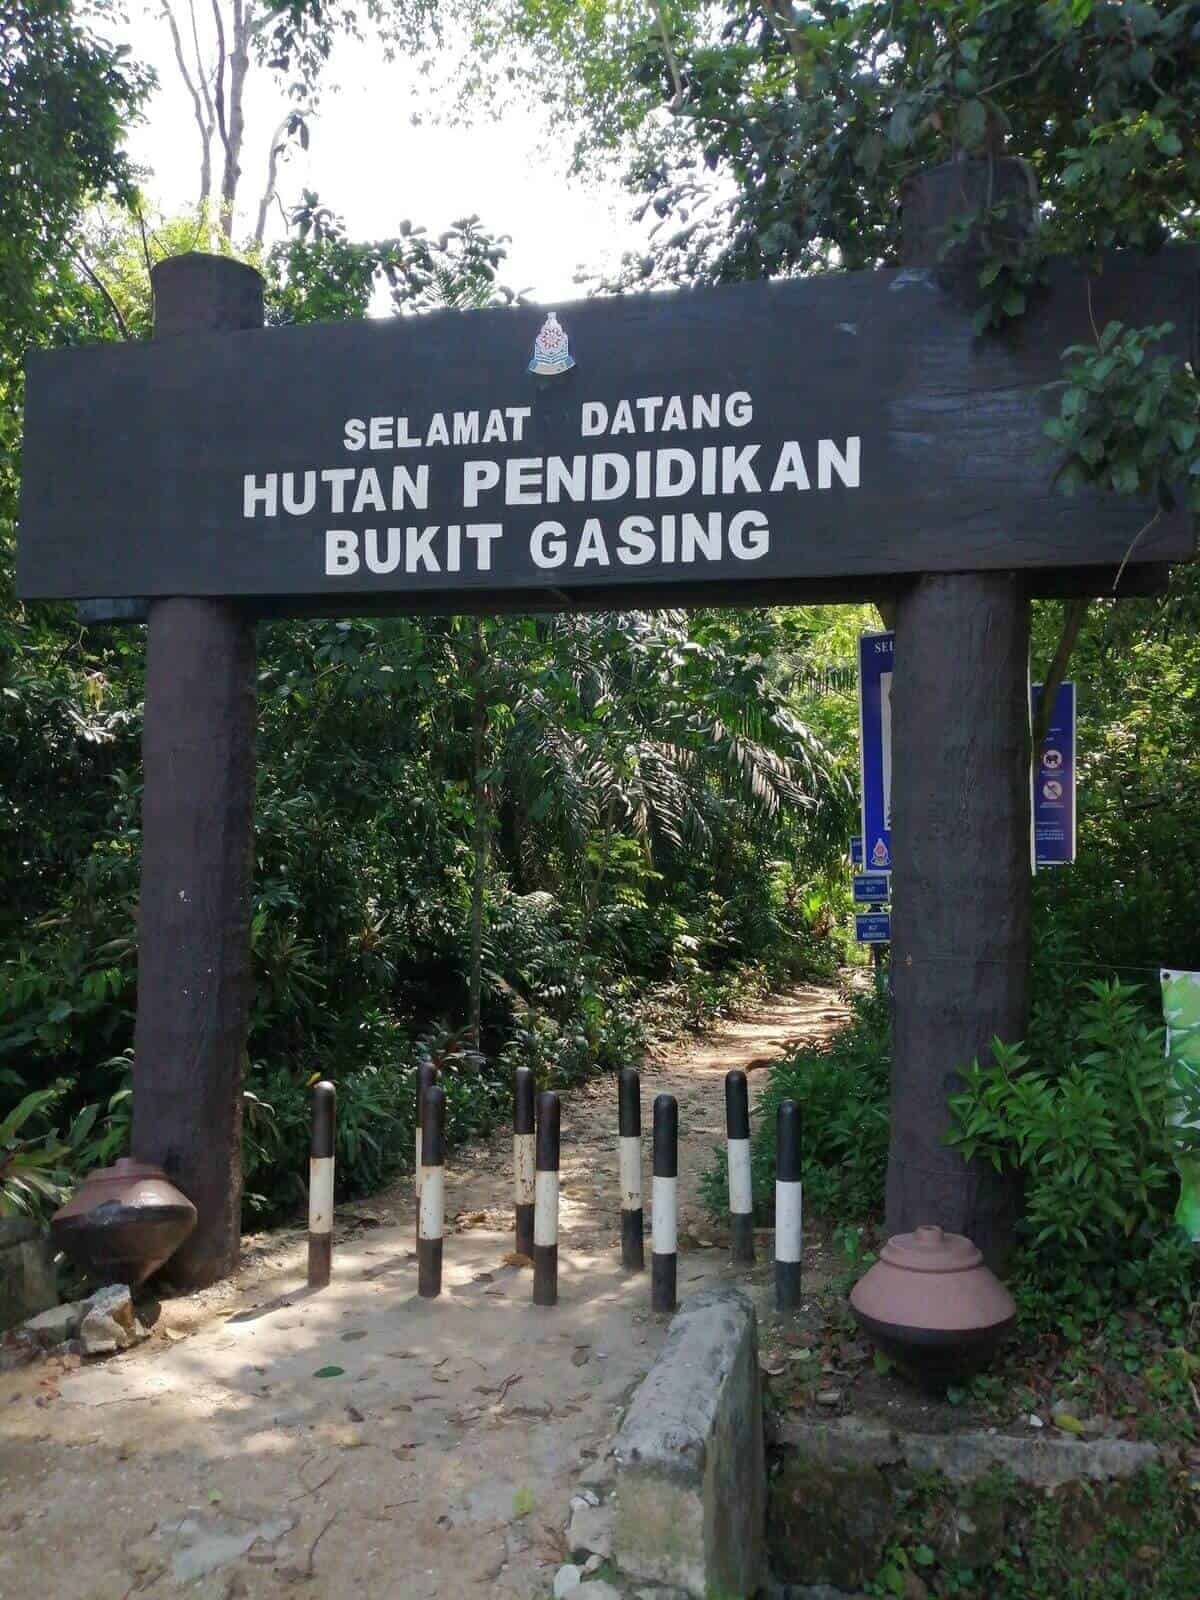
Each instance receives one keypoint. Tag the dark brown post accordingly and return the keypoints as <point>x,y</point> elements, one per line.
<point>320,1185</point>
<point>524,1159</point>
<point>431,1216</point>
<point>960,816</point>
<point>197,840</point>
<point>545,1217</point>
<point>629,1164</point>
<point>664,1215</point>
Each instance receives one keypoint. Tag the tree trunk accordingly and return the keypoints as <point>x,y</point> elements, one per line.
<point>231,115</point>
<point>960,884</point>
<point>961,909</point>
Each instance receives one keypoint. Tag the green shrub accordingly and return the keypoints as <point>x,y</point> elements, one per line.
<point>1088,1127</point>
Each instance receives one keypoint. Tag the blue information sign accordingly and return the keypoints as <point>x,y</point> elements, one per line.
<point>1054,782</point>
<point>872,888</point>
<point>873,927</point>
<point>875,651</point>
<point>856,855</point>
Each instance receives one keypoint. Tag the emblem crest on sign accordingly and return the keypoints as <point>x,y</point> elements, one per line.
<point>551,351</point>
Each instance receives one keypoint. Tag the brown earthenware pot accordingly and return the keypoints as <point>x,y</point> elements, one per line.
<point>123,1222</point>
<point>932,1306</point>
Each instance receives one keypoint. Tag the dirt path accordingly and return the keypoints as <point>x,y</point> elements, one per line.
<point>438,1456</point>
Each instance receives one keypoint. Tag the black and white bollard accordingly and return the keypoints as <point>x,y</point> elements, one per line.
<point>427,1076</point>
<point>788,1213</point>
<point>432,1207</point>
<point>741,1195</point>
<point>524,1159</point>
<point>545,1217</point>
<point>664,1221</point>
<point>629,1130</point>
<point>320,1186</point>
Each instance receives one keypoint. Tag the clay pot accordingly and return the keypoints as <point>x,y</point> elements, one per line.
<point>932,1306</point>
<point>123,1222</point>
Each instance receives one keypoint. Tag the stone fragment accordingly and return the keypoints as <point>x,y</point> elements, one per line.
<point>599,1474</point>
<point>108,1323</point>
<point>590,1530</point>
<point>592,1564</point>
<point>691,1475</point>
<point>56,1325</point>
<point>597,1589</point>
<point>565,1579</point>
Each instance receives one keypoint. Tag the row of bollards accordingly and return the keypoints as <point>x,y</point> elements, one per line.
<point>536,1150</point>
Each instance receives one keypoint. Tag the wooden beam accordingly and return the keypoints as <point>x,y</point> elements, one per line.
<point>198,744</point>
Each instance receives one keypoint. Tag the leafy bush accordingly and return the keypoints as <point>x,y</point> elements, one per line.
<point>38,1165</point>
<point>1089,1129</point>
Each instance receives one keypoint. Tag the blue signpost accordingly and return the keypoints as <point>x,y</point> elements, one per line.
<point>1054,782</point>
<point>875,652</point>
<point>872,888</point>
<point>873,927</point>
<point>856,852</point>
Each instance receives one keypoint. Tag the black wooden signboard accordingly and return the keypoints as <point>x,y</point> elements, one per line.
<point>777,434</point>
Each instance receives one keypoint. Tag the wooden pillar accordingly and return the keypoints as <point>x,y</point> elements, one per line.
<point>961,835</point>
<point>960,883</point>
<point>197,841</point>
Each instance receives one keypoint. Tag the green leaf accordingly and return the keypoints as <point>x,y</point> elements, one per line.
<point>330,1372</point>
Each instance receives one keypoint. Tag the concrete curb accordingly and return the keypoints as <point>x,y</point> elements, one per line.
<point>849,1442</point>
<point>691,1469</point>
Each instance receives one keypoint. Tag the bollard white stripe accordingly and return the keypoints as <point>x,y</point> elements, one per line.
<point>433,1202</point>
<point>664,1217</point>
<point>789,1237</point>
<point>545,1215</point>
<point>741,1194</point>
<point>630,1155</point>
<point>523,1168</point>
<point>320,1194</point>
<point>417,1163</point>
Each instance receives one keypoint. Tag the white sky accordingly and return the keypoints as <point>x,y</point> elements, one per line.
<point>375,168</point>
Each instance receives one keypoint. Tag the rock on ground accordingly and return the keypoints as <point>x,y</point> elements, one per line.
<point>108,1322</point>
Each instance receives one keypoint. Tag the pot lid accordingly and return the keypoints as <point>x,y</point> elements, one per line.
<point>128,1167</point>
<point>931,1249</point>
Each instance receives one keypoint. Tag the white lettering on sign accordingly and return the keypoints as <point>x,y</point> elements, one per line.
<point>413,549</point>
<point>660,413</point>
<point>502,425</point>
<point>635,540</point>
<point>606,479</point>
